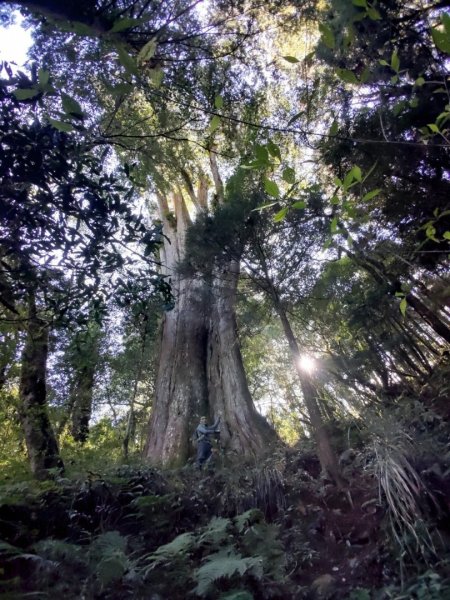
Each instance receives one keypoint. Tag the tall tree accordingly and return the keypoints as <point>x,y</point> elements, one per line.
<point>200,369</point>
<point>60,214</point>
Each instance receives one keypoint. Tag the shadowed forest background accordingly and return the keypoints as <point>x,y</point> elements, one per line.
<point>233,208</point>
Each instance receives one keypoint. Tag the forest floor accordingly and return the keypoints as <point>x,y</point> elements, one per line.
<point>275,530</point>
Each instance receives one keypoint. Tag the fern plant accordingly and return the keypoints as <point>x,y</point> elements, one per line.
<point>237,552</point>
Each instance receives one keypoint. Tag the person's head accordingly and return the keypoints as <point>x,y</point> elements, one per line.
<point>202,420</point>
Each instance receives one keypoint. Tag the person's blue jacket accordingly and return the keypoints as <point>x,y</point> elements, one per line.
<point>203,431</point>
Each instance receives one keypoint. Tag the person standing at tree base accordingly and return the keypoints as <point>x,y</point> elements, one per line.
<point>203,435</point>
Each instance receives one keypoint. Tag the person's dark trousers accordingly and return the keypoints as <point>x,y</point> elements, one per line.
<point>203,452</point>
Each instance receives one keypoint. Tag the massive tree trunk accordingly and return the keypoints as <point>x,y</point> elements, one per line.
<point>40,440</point>
<point>244,429</point>
<point>200,370</point>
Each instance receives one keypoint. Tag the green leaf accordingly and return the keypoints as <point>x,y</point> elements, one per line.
<point>433,127</point>
<point>400,294</point>
<point>445,18</point>
<point>362,3</point>
<point>214,124</point>
<point>125,23</point>
<point>291,59</point>
<point>442,118</point>
<point>218,102</point>
<point>441,40</point>
<point>384,62</point>
<point>398,108</point>
<point>348,180</point>
<point>334,225</point>
<point>371,194</point>
<point>394,79</point>
<point>271,188</point>
<point>395,61</point>
<point>261,153</point>
<point>403,306</point>
<point>127,61</point>
<point>289,175</point>
<point>346,75</point>
<point>446,235</point>
<point>356,172</point>
<point>364,77</point>
<point>334,128</point>
<point>338,182</point>
<point>419,82</point>
<point>121,88</point>
<point>279,216</point>
<point>147,51</point>
<point>373,14</point>
<point>61,125</point>
<point>430,232</point>
<point>71,106</point>
<point>300,204</point>
<point>43,77</point>
<point>25,93</point>
<point>156,76</point>
<point>274,150</point>
<point>327,36</point>
<point>335,200</point>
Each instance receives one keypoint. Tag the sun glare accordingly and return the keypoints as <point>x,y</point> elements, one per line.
<point>15,41</point>
<point>307,363</point>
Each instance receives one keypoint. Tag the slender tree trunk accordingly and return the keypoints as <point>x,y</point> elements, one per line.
<point>40,440</point>
<point>82,406</point>
<point>325,452</point>
<point>83,356</point>
<point>131,422</point>
<point>429,316</point>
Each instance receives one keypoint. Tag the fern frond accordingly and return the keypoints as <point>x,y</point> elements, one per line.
<point>59,550</point>
<point>178,547</point>
<point>108,542</point>
<point>224,565</point>
<point>248,518</point>
<point>9,549</point>
<point>216,532</point>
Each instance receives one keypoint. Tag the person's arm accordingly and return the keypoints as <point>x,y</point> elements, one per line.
<point>203,429</point>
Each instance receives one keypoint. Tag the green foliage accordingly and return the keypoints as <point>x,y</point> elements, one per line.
<point>224,565</point>
<point>427,586</point>
<point>235,551</point>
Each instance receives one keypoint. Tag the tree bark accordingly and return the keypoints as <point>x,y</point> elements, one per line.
<point>83,389</point>
<point>244,430</point>
<point>40,440</point>
<point>200,370</point>
<point>327,457</point>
